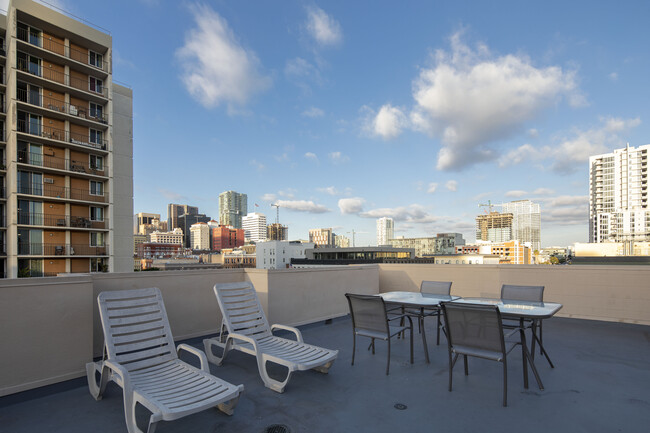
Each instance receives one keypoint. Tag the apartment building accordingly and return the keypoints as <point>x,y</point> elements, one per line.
<point>322,237</point>
<point>618,196</point>
<point>385,231</point>
<point>232,208</point>
<point>526,221</point>
<point>254,225</point>
<point>66,139</point>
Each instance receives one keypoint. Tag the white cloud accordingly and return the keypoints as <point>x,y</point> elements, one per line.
<point>331,190</point>
<point>388,123</point>
<point>516,193</point>
<point>269,197</point>
<point>311,156</point>
<point>432,188</point>
<point>302,206</point>
<point>414,213</point>
<point>533,133</point>
<point>471,98</point>
<point>525,152</point>
<point>325,30</point>
<point>544,191</point>
<point>565,210</point>
<point>452,185</point>
<point>258,165</point>
<point>288,193</point>
<point>216,67</point>
<point>313,112</point>
<point>338,157</point>
<point>613,76</point>
<point>352,205</point>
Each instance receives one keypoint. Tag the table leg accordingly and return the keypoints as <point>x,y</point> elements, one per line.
<point>526,356</point>
<point>424,338</point>
<point>541,346</point>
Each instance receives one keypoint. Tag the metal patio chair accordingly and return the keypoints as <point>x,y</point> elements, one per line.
<point>370,319</point>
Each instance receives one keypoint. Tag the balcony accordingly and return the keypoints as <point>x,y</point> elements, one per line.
<point>60,221</point>
<point>60,106</point>
<point>62,192</point>
<point>56,163</point>
<point>60,50</point>
<point>61,135</point>
<point>41,249</point>
<point>598,343</point>
<point>60,78</point>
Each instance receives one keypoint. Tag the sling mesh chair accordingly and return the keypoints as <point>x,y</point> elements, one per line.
<point>435,288</point>
<point>369,319</point>
<point>511,292</point>
<point>476,330</point>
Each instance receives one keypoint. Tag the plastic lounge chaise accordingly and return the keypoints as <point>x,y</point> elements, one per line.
<point>249,331</point>
<point>140,356</point>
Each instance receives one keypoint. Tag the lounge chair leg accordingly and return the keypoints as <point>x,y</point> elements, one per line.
<point>97,390</point>
<point>228,407</point>
<point>324,368</point>
<point>129,413</point>
<point>269,382</point>
<point>208,343</point>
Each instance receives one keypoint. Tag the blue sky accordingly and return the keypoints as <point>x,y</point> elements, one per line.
<point>346,111</point>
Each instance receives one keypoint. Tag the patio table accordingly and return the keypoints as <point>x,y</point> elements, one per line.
<point>522,310</point>
<point>419,301</point>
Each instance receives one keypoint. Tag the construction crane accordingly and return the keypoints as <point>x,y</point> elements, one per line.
<point>489,205</point>
<point>277,215</point>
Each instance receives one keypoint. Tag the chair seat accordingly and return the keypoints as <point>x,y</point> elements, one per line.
<point>480,353</point>
<point>177,389</point>
<point>290,353</point>
<point>393,330</point>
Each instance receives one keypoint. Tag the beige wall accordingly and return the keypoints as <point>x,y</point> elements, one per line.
<point>611,293</point>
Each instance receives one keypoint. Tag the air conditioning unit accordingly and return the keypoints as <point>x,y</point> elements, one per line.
<point>48,180</point>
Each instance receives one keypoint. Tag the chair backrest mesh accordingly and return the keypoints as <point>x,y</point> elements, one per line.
<point>522,293</point>
<point>368,312</point>
<point>475,326</point>
<point>136,329</point>
<point>436,287</point>
<point>241,309</point>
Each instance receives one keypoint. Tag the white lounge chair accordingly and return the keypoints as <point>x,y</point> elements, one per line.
<point>249,331</point>
<point>139,355</point>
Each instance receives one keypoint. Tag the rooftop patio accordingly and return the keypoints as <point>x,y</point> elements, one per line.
<point>49,329</point>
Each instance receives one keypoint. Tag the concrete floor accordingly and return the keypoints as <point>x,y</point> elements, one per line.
<point>600,384</point>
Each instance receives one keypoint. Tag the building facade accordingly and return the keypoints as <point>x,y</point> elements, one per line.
<point>174,211</point>
<point>232,208</point>
<point>186,221</point>
<point>385,231</point>
<point>200,236</point>
<point>226,237</point>
<point>278,254</point>
<point>67,148</point>
<point>254,225</point>
<point>618,196</point>
<point>510,253</point>
<point>341,241</point>
<point>494,227</point>
<point>442,243</point>
<point>277,232</point>
<point>526,222</point>
<point>157,250</point>
<point>173,237</point>
<point>322,237</point>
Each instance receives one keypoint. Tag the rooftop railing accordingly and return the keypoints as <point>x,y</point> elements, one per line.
<point>60,49</point>
<point>55,191</point>
<point>41,160</point>
<point>51,133</point>
<point>86,85</point>
<point>60,106</point>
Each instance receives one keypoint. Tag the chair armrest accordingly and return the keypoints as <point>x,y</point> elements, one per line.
<point>408,316</point>
<point>122,373</point>
<point>291,329</point>
<point>245,339</point>
<point>197,352</point>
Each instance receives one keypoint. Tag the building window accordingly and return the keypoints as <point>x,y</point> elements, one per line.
<point>96,239</point>
<point>96,214</point>
<point>96,85</point>
<point>98,265</point>
<point>96,136</point>
<point>97,111</point>
<point>95,59</point>
<point>96,188</point>
<point>96,162</point>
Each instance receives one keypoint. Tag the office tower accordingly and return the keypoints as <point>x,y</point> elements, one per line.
<point>526,221</point>
<point>67,147</point>
<point>277,232</point>
<point>254,225</point>
<point>232,207</point>
<point>385,231</point>
<point>618,196</point>
<point>200,236</point>
<point>176,210</point>
<point>185,221</point>
<point>494,227</point>
<point>322,237</point>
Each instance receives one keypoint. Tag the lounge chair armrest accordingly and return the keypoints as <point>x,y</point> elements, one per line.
<point>120,371</point>
<point>197,352</point>
<point>245,339</point>
<point>289,328</point>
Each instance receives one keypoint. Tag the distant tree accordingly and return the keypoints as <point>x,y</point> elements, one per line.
<point>554,260</point>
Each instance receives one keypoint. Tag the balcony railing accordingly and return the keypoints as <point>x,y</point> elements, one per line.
<point>33,128</point>
<point>55,191</point>
<point>40,249</point>
<point>47,220</point>
<point>60,49</point>
<point>59,105</point>
<point>40,160</point>
<point>59,77</point>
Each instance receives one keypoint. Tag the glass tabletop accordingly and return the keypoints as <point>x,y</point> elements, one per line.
<point>526,309</point>
<point>416,299</point>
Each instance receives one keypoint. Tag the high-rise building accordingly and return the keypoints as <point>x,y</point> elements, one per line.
<point>277,232</point>
<point>254,225</point>
<point>174,211</point>
<point>66,137</point>
<point>385,231</point>
<point>618,196</point>
<point>322,237</point>
<point>232,208</point>
<point>494,227</point>
<point>526,222</point>
<point>143,218</point>
<point>200,236</point>
<point>185,221</point>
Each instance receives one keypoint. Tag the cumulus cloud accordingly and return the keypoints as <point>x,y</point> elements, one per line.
<point>216,67</point>
<point>414,213</point>
<point>432,188</point>
<point>544,191</point>
<point>331,190</point>
<point>312,156</point>
<point>516,193</point>
<point>565,210</point>
<point>302,206</point>
<point>352,205</point>
<point>269,197</point>
<point>471,98</point>
<point>387,123</point>
<point>452,185</point>
<point>324,29</point>
<point>258,165</point>
<point>525,152</point>
<point>338,157</point>
<point>313,112</point>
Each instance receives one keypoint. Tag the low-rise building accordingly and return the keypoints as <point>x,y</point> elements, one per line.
<point>467,259</point>
<point>442,243</point>
<point>156,250</point>
<point>322,237</point>
<point>200,236</point>
<point>173,237</point>
<point>510,253</point>
<point>238,258</point>
<point>278,254</point>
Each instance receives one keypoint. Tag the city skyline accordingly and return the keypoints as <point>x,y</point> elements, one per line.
<point>344,113</point>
